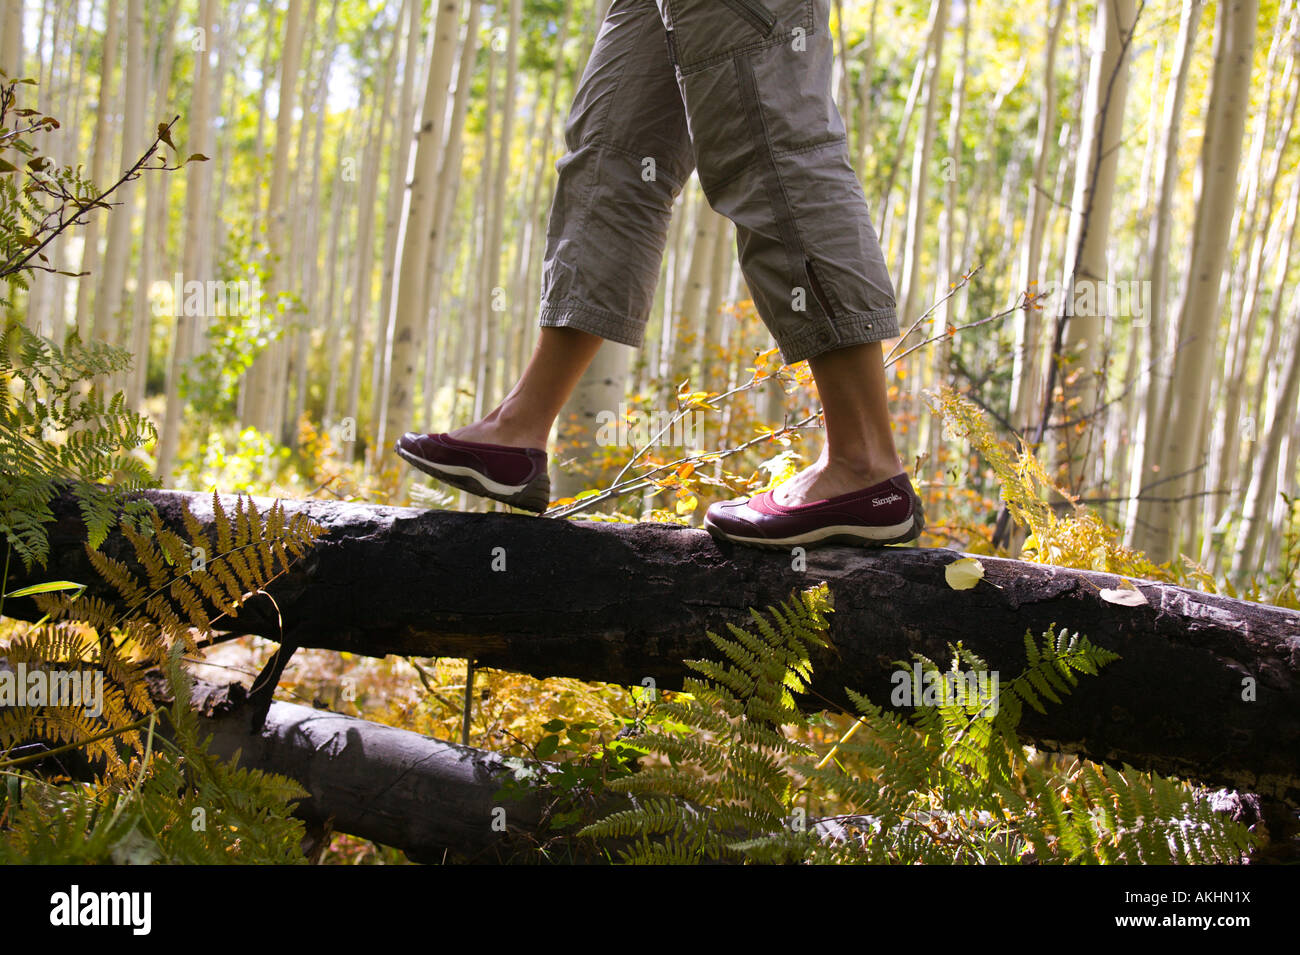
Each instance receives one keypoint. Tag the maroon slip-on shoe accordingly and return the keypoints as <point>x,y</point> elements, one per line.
<point>515,476</point>
<point>888,513</point>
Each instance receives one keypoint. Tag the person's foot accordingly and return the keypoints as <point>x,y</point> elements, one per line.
<point>888,512</point>
<point>823,479</point>
<point>494,430</point>
<point>512,475</point>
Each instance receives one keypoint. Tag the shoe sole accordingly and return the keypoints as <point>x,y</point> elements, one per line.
<point>853,535</point>
<point>534,496</point>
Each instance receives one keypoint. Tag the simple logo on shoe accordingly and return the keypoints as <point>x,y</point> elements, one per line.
<point>889,499</point>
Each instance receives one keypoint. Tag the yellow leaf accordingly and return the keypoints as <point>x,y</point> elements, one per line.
<point>964,573</point>
<point>687,505</point>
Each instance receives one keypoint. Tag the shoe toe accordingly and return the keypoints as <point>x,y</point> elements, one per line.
<point>731,517</point>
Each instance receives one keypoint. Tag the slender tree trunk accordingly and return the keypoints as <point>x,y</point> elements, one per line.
<point>98,162</point>
<point>1261,494</point>
<point>1260,226</point>
<point>403,158</point>
<point>258,382</point>
<point>866,118</point>
<point>938,368</point>
<point>1027,372</point>
<point>197,222</point>
<point>1161,529</point>
<point>909,305</point>
<point>108,299</point>
<point>408,317</point>
<point>449,177</point>
<point>1085,274</point>
<point>360,294</point>
<point>11,40</point>
<point>1159,342</point>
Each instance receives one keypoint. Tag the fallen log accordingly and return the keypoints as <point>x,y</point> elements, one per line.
<point>1206,687</point>
<point>415,793</point>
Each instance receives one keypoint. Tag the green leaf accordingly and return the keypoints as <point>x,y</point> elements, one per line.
<point>546,748</point>
<point>45,588</point>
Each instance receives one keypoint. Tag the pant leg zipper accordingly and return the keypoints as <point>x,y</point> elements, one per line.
<point>760,16</point>
<point>818,292</point>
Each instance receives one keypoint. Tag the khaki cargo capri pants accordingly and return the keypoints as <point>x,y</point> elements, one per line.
<point>740,91</point>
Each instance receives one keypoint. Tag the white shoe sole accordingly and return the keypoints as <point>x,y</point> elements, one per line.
<point>533,495</point>
<point>853,534</point>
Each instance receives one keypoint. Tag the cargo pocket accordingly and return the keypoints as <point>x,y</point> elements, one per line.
<point>760,17</point>
<point>707,32</point>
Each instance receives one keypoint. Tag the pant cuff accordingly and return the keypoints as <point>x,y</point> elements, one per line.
<point>861,328</point>
<point>594,321</point>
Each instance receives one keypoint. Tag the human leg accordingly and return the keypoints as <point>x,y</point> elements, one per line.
<point>628,157</point>
<point>771,152</point>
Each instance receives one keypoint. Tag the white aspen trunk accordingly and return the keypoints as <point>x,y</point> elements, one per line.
<point>360,305</point>
<point>909,297</point>
<point>11,39</point>
<point>1128,420</point>
<point>480,314</point>
<point>498,307</point>
<point>40,293</point>
<point>841,63</point>
<point>98,162</point>
<point>108,298</point>
<point>1150,427</point>
<point>900,149</point>
<point>695,293</point>
<point>198,179</point>
<point>668,324</point>
<point>260,403</point>
<point>309,242</point>
<point>1281,264</point>
<point>221,160</point>
<point>407,320</point>
<point>449,176</point>
<point>1161,532</point>
<point>1085,273</point>
<point>332,306</point>
<point>712,371</point>
<point>938,368</point>
<point>1261,494</point>
<point>865,118</point>
<point>153,234</point>
<point>402,166</point>
<point>68,151</point>
<point>1027,370</point>
<point>298,231</point>
<point>540,200</point>
<point>1225,466</point>
<point>1255,520</point>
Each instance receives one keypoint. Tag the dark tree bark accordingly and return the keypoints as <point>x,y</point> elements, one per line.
<point>418,794</point>
<point>622,603</point>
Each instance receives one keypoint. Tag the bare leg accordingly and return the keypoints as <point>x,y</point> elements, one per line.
<point>859,450</point>
<point>525,416</point>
